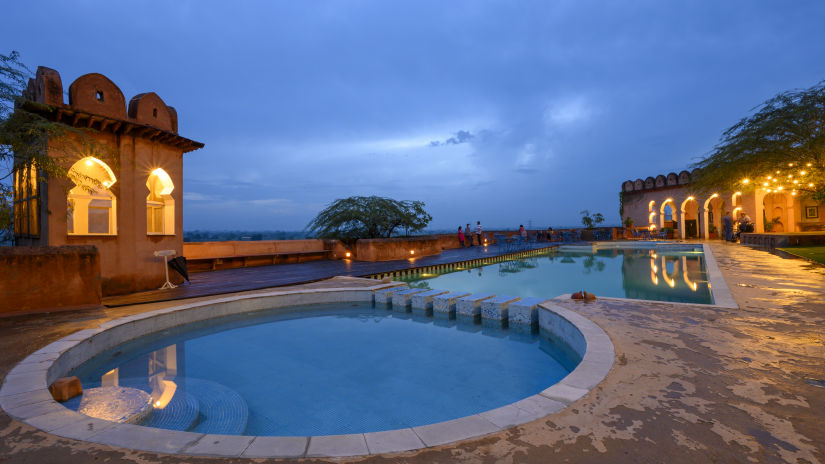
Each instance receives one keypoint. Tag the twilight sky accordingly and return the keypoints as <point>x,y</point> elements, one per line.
<point>501,111</point>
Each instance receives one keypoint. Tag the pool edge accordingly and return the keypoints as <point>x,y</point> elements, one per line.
<point>24,394</point>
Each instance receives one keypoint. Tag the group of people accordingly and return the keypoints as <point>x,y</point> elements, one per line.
<point>744,223</point>
<point>465,236</point>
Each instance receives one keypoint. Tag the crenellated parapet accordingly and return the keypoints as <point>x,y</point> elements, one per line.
<point>96,102</point>
<point>659,182</point>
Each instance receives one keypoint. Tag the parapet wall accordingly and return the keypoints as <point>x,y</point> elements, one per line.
<point>386,249</point>
<point>40,278</point>
<point>96,94</point>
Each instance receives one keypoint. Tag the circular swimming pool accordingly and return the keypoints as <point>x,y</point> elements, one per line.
<point>224,375</point>
<point>331,369</point>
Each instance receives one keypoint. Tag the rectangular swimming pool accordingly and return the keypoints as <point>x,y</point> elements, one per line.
<point>659,274</point>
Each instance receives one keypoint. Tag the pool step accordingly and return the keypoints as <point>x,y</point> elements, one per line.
<point>222,410</point>
<point>181,413</point>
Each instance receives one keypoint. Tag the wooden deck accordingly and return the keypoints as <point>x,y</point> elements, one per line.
<point>256,278</point>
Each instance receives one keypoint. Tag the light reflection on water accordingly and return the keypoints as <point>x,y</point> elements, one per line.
<point>639,274</point>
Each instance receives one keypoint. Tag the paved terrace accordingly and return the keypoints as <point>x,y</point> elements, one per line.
<point>254,278</point>
<point>692,384</point>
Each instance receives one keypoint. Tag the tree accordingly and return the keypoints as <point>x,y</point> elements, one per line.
<point>28,138</point>
<point>357,217</point>
<point>781,147</point>
<point>591,221</point>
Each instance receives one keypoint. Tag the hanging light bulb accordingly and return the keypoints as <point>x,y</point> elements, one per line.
<point>802,173</point>
<point>809,165</point>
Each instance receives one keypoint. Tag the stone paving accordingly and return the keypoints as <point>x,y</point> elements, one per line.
<point>691,383</point>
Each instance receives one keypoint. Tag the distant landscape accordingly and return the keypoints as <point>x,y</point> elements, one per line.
<point>252,235</point>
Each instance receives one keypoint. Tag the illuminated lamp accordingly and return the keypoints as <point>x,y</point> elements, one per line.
<point>745,181</point>
<point>88,162</point>
<point>348,254</point>
<point>802,173</point>
<point>809,165</point>
<point>412,252</point>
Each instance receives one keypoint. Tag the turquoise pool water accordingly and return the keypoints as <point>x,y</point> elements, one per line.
<point>327,369</point>
<point>645,274</point>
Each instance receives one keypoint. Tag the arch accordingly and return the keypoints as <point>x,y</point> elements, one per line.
<point>95,93</point>
<point>650,183</point>
<point>684,212</point>
<point>733,198</point>
<point>780,204</point>
<point>651,216</point>
<point>672,179</point>
<point>638,184</point>
<point>160,206</point>
<point>684,178</point>
<point>706,220</point>
<point>673,212</point>
<point>91,205</point>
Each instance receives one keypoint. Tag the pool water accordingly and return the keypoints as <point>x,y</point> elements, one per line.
<point>645,274</point>
<point>326,370</point>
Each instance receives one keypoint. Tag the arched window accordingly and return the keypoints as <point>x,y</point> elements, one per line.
<point>160,206</point>
<point>91,205</point>
<point>668,213</point>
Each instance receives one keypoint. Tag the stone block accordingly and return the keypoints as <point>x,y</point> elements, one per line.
<point>470,306</point>
<point>524,311</point>
<point>496,308</point>
<point>65,388</point>
<point>401,298</point>
<point>445,303</point>
<point>424,300</point>
<point>384,296</point>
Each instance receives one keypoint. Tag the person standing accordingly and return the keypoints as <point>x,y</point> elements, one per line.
<point>727,223</point>
<point>460,237</point>
<point>468,235</point>
<point>522,231</point>
<point>478,232</point>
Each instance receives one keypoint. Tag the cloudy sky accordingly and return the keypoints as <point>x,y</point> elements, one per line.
<point>507,112</point>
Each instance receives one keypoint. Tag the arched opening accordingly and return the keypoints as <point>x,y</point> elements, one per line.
<point>689,218</point>
<point>778,209</point>
<point>160,206</point>
<point>668,217</point>
<point>91,206</point>
<point>712,215</point>
<point>651,216</point>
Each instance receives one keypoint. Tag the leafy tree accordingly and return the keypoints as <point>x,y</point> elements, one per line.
<point>357,217</point>
<point>591,221</point>
<point>25,134</point>
<point>785,134</point>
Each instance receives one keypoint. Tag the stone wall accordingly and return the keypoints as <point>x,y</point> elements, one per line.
<point>386,249</point>
<point>44,278</point>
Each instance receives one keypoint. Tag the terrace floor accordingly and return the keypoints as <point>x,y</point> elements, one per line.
<point>692,384</point>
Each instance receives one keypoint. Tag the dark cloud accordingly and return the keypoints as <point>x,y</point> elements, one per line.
<point>461,136</point>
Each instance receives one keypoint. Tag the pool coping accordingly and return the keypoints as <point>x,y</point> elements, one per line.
<point>24,395</point>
